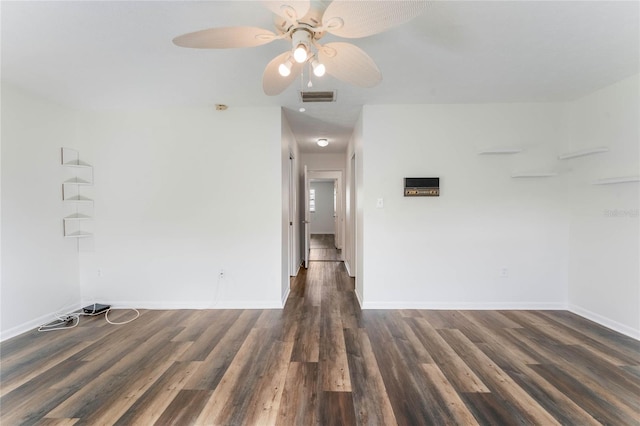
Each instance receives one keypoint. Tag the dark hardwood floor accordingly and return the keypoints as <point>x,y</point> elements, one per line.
<point>322,247</point>
<point>323,361</point>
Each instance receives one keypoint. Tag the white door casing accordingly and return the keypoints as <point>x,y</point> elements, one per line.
<point>307,218</point>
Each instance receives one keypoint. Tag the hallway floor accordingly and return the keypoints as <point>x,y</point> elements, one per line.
<point>323,247</point>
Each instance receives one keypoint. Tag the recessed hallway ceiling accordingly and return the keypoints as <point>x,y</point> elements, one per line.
<point>104,55</point>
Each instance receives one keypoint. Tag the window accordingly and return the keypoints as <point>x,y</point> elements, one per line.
<point>312,200</point>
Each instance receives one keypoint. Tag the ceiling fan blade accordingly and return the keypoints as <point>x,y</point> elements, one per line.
<point>281,24</point>
<point>350,64</point>
<point>361,18</point>
<point>272,82</point>
<point>292,10</point>
<point>224,38</point>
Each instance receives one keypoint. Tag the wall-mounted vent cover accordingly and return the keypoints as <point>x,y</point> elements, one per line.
<point>322,96</point>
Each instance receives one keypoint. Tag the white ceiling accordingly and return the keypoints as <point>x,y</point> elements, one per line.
<point>96,55</point>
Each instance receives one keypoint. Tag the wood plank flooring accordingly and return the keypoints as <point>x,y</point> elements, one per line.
<point>322,247</point>
<point>323,361</point>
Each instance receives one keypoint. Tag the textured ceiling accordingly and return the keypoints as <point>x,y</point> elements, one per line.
<point>97,55</point>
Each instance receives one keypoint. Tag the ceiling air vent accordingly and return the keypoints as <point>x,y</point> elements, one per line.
<point>327,96</point>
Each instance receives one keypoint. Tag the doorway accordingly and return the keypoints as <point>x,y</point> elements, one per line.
<point>324,216</point>
<point>324,232</point>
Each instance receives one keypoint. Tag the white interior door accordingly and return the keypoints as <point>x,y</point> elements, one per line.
<point>294,251</point>
<point>336,227</point>
<point>337,211</point>
<point>307,218</point>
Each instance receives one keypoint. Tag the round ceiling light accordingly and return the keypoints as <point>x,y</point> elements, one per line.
<point>322,142</point>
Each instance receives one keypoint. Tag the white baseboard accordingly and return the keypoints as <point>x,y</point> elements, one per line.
<point>297,270</point>
<point>359,299</point>
<point>606,322</point>
<point>223,304</point>
<point>276,304</point>
<point>346,265</point>
<point>37,322</point>
<point>285,296</point>
<point>466,305</point>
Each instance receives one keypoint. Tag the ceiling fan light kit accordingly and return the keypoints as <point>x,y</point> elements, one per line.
<point>304,23</point>
<point>301,38</point>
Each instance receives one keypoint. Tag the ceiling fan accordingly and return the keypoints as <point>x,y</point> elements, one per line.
<point>304,23</point>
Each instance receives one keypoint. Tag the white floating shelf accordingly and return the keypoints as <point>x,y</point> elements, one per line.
<point>614,180</point>
<point>79,199</point>
<point>582,153</point>
<point>77,181</point>
<point>533,174</point>
<point>77,216</point>
<point>72,188</point>
<point>78,163</point>
<point>71,158</point>
<point>498,151</point>
<point>79,234</point>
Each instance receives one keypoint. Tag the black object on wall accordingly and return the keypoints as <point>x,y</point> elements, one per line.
<point>422,187</point>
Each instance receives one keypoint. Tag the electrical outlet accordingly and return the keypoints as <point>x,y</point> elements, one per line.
<point>99,272</point>
<point>504,272</point>
<point>221,274</point>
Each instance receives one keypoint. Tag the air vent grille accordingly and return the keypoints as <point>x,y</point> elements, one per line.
<point>323,96</point>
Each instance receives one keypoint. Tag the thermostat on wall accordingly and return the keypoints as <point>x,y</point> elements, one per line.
<point>422,187</point>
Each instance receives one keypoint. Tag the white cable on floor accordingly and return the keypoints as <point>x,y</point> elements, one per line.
<point>106,316</point>
<point>74,319</point>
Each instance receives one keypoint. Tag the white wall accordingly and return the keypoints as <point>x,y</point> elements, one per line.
<point>39,266</point>
<point>354,234</point>
<point>319,161</point>
<point>448,251</point>
<point>180,195</point>
<point>176,195</point>
<point>289,149</point>
<point>322,221</point>
<point>604,277</point>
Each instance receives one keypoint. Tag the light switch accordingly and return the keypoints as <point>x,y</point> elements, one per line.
<point>380,203</point>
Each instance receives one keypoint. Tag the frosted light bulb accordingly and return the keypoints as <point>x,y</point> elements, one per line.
<point>300,54</point>
<point>285,69</point>
<point>318,68</point>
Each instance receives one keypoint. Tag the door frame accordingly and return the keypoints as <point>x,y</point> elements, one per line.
<point>306,220</point>
<point>294,264</point>
<point>329,175</point>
